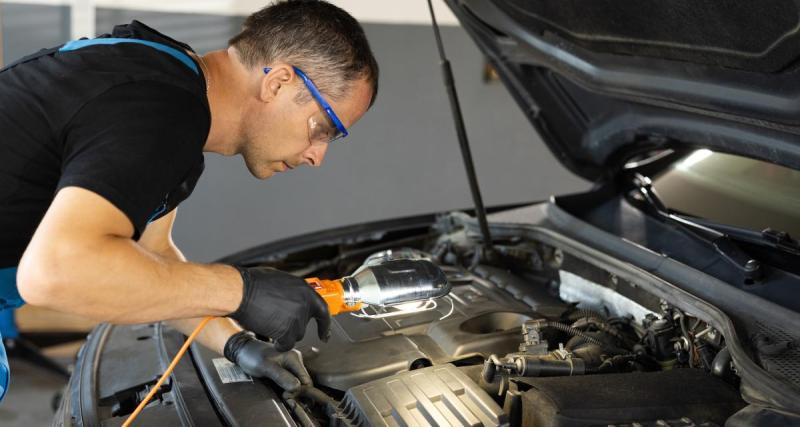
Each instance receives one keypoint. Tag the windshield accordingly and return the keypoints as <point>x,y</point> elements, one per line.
<point>733,190</point>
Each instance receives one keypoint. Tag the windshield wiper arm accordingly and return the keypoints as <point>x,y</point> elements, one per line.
<point>776,239</point>
<point>769,237</point>
<point>721,242</point>
<point>781,240</point>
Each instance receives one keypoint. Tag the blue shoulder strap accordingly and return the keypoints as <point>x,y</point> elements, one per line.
<point>175,53</point>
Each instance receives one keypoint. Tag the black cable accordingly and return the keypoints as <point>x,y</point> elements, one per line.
<point>574,332</point>
<point>300,413</point>
<point>603,326</point>
<point>317,395</point>
<point>322,399</point>
<point>580,313</point>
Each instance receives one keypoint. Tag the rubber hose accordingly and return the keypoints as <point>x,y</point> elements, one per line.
<point>721,366</point>
<point>574,332</point>
<point>584,312</point>
<point>574,342</point>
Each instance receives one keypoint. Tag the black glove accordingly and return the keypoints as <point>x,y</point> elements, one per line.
<point>279,305</point>
<point>261,360</point>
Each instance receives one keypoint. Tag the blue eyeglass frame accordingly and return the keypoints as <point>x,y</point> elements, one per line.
<point>321,101</point>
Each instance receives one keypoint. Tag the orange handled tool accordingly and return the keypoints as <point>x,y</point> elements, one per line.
<point>389,282</point>
<point>332,292</point>
<point>382,284</point>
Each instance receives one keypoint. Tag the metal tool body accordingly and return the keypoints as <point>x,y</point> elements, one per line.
<point>387,283</point>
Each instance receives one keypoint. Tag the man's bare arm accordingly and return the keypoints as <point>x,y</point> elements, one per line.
<point>82,260</point>
<point>257,358</point>
<point>157,237</point>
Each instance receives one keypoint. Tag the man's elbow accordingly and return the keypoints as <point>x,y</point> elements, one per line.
<point>35,286</point>
<point>41,281</point>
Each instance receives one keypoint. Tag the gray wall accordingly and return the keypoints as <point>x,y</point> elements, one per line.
<point>401,159</point>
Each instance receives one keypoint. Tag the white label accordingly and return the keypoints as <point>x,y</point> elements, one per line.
<point>230,372</point>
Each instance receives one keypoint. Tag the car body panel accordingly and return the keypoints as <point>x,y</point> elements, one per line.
<point>593,107</point>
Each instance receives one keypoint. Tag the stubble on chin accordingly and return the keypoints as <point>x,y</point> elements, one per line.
<point>257,170</point>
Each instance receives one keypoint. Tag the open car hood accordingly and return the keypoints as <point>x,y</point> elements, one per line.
<point>602,80</point>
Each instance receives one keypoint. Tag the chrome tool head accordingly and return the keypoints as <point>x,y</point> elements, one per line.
<point>396,281</point>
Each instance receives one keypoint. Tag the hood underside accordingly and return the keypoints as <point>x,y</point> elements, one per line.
<point>602,80</point>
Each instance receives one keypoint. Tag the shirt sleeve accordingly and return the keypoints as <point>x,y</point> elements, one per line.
<point>133,144</point>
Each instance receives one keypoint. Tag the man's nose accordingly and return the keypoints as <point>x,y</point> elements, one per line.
<point>315,154</point>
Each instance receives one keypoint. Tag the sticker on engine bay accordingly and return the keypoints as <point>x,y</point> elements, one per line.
<point>230,372</point>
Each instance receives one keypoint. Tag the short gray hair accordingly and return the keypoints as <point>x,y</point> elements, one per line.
<point>321,39</point>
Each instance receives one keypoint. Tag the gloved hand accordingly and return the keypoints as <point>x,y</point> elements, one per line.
<point>261,360</point>
<point>279,305</point>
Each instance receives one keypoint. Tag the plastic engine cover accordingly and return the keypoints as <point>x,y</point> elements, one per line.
<point>434,396</point>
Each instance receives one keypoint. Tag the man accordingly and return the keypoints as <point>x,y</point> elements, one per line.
<point>101,139</point>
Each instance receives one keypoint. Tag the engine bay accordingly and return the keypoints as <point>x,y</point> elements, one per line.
<point>529,335</point>
<point>537,331</point>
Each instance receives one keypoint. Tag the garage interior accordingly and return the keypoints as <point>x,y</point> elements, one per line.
<point>555,213</point>
<point>410,124</point>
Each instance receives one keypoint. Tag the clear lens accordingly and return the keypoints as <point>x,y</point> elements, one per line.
<point>322,129</point>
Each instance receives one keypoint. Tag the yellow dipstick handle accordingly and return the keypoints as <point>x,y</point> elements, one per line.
<point>333,294</point>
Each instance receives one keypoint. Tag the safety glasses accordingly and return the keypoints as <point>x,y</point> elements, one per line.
<point>321,127</point>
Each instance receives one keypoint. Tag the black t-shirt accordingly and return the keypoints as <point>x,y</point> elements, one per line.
<point>126,121</point>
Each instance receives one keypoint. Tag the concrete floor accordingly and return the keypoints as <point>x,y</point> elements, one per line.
<point>30,395</point>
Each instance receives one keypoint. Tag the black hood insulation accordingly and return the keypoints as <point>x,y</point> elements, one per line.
<point>601,80</point>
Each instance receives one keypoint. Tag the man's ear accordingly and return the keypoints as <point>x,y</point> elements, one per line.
<point>280,76</point>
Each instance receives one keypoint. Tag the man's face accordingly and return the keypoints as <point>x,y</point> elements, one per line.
<point>277,128</point>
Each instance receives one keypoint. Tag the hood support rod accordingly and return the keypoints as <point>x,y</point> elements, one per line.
<point>458,119</point>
